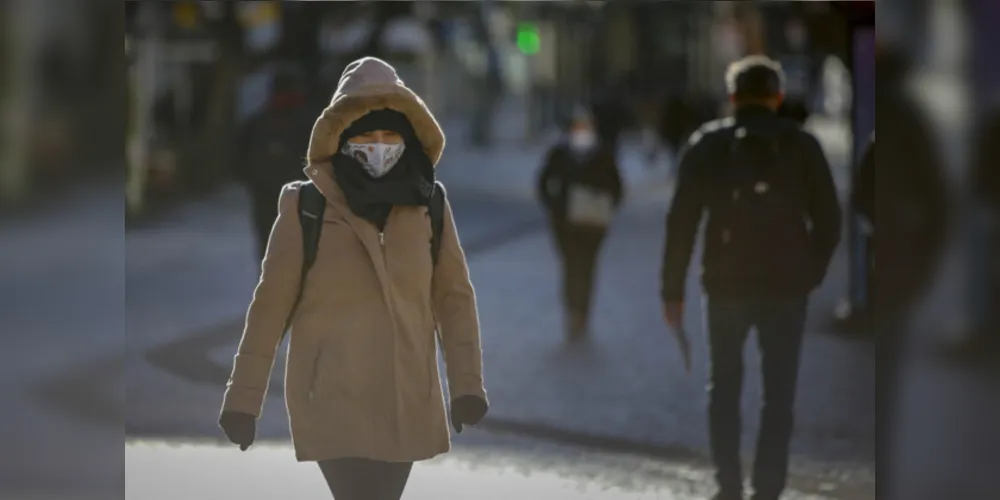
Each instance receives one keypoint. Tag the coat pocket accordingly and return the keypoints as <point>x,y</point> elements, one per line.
<point>343,367</point>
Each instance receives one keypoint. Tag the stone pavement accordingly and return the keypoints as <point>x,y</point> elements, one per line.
<point>62,299</point>
<point>485,467</point>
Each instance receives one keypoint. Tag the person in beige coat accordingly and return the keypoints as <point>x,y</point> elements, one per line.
<point>362,387</point>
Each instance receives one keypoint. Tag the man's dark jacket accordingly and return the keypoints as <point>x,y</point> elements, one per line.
<point>758,242</point>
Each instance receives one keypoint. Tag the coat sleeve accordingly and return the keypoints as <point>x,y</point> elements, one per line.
<point>823,208</point>
<point>272,302</point>
<point>683,219</point>
<point>454,302</point>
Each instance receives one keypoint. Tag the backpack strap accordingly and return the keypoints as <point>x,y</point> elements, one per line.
<point>436,212</point>
<point>312,204</point>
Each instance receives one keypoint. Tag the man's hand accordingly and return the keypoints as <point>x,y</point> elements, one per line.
<point>673,316</point>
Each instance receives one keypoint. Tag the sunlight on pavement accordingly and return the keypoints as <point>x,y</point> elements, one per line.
<point>157,471</point>
<point>205,471</point>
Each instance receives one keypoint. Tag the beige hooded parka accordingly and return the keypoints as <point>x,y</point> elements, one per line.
<point>362,376</point>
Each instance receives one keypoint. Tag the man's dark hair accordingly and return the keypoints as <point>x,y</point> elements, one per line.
<point>755,78</point>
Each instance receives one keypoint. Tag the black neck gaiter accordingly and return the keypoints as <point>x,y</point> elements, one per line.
<point>409,183</point>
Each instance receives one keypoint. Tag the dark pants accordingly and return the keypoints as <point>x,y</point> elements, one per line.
<point>578,248</point>
<point>363,479</point>
<point>779,324</point>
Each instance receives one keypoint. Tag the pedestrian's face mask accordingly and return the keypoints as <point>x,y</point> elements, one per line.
<point>377,151</point>
<point>582,139</point>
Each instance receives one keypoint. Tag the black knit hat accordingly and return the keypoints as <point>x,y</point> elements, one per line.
<point>381,119</point>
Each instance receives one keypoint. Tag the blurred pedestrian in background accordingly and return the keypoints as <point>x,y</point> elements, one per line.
<point>489,82</point>
<point>680,115</point>
<point>983,342</point>
<point>904,197</point>
<point>987,181</point>
<point>677,120</point>
<point>611,110</point>
<point>802,72</point>
<point>362,388</point>
<point>863,201</point>
<point>761,179</point>
<point>269,149</point>
<point>580,187</point>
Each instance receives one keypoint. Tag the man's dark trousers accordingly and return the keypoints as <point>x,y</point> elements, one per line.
<point>779,323</point>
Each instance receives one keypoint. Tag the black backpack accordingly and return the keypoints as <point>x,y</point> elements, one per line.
<point>753,156</point>
<point>756,164</point>
<point>312,204</point>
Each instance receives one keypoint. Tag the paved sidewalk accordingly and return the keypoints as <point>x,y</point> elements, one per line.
<point>162,472</point>
<point>486,470</point>
<point>62,302</point>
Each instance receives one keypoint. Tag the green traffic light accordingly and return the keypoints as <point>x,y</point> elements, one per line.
<point>528,40</point>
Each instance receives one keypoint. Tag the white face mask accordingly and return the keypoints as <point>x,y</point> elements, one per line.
<point>582,140</point>
<point>377,158</point>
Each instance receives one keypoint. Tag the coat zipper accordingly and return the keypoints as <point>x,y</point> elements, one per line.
<point>381,242</point>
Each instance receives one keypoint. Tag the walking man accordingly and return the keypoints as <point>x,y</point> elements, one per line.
<point>773,224</point>
<point>270,150</point>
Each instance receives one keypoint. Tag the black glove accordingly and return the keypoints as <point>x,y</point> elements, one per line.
<point>467,410</point>
<point>240,428</point>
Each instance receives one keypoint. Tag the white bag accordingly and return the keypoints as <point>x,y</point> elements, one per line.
<point>589,207</point>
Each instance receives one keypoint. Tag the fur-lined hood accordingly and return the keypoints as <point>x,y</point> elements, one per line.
<point>369,84</point>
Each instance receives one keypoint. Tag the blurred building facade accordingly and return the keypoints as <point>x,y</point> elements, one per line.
<point>504,70</point>
<point>61,93</point>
